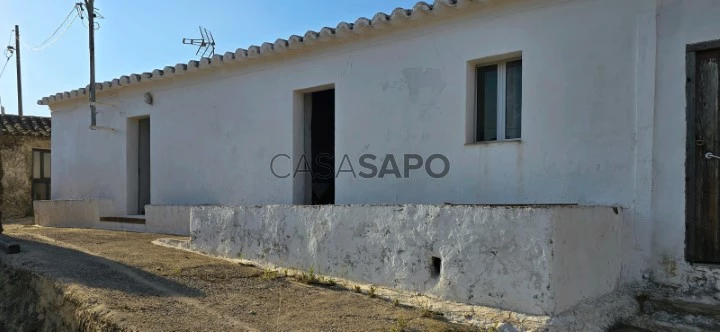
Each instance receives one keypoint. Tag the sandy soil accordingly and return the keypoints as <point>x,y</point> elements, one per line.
<point>140,286</point>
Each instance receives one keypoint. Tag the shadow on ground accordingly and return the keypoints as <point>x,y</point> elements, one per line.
<point>78,267</point>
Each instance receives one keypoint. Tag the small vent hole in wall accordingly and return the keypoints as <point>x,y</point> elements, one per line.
<point>435,265</point>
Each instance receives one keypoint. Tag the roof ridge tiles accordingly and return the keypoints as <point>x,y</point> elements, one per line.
<point>344,30</point>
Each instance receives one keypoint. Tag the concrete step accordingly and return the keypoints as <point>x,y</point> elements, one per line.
<point>135,219</point>
<point>647,324</point>
<point>672,312</point>
<point>684,305</point>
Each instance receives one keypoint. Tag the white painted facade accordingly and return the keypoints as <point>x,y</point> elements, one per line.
<point>603,120</point>
<point>678,23</point>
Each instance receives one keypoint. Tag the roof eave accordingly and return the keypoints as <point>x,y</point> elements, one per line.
<point>380,23</point>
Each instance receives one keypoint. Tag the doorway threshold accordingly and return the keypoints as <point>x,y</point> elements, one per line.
<point>129,219</point>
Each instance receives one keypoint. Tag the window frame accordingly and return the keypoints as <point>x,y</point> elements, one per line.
<point>44,178</point>
<point>42,152</point>
<point>501,111</point>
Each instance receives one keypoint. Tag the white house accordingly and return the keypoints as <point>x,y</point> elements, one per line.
<point>569,138</point>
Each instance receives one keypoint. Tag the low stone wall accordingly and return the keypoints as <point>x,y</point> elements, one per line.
<point>532,259</point>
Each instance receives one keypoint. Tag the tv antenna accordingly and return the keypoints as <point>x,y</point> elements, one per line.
<point>205,43</point>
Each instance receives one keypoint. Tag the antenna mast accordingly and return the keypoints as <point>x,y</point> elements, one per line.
<point>206,42</point>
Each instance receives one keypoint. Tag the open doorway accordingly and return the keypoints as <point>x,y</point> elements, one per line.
<point>143,164</point>
<point>315,147</point>
<point>138,164</point>
<point>322,146</point>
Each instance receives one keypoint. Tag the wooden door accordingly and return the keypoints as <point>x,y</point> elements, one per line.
<point>703,155</point>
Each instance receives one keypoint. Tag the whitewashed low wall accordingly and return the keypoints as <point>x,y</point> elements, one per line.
<point>81,213</point>
<point>168,219</point>
<point>537,260</point>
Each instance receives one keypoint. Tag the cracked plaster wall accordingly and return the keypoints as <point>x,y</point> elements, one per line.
<point>525,259</point>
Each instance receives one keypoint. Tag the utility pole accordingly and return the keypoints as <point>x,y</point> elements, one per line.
<point>17,65</point>
<point>91,23</point>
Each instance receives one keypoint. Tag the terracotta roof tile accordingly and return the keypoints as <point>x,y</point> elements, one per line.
<point>15,125</point>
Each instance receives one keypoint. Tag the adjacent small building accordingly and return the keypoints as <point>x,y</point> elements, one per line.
<point>24,163</point>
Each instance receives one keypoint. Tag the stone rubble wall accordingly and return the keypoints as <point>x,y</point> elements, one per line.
<point>16,159</point>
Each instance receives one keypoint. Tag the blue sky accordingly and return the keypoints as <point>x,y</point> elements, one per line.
<point>136,36</point>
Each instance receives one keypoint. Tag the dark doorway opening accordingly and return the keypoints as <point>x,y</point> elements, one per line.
<point>143,164</point>
<point>322,146</point>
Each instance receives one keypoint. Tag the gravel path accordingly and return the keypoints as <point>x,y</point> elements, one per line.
<point>133,285</point>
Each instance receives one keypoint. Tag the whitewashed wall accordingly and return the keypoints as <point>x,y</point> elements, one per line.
<point>679,23</point>
<point>547,259</point>
<point>213,135</point>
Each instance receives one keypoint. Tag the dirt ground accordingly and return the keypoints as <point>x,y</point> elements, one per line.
<point>144,287</point>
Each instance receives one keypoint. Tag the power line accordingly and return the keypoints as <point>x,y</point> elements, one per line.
<point>76,8</point>
<point>4,66</point>
<point>8,54</point>
<point>58,37</point>
<point>61,25</point>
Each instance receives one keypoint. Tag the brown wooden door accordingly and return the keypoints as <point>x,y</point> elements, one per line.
<point>703,163</point>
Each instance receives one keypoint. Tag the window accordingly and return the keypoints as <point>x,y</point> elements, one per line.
<point>498,101</point>
<point>41,175</point>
